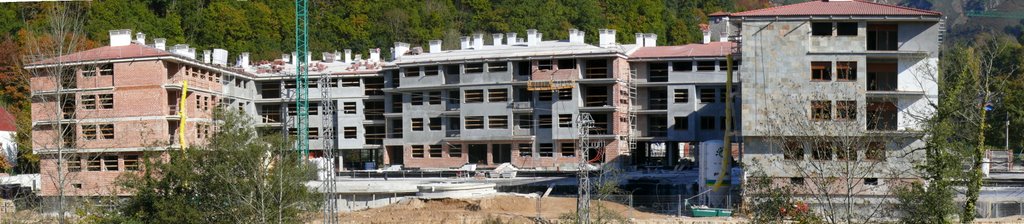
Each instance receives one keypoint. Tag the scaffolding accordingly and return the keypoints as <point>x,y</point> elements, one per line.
<point>550,85</point>
<point>631,111</point>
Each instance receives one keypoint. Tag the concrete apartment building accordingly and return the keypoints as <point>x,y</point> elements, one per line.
<point>355,88</point>
<point>831,81</point>
<point>101,108</point>
<point>516,100</point>
<point>682,98</point>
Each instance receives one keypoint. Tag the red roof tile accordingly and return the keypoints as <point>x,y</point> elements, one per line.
<point>713,49</point>
<point>107,53</point>
<point>6,121</point>
<point>844,8</point>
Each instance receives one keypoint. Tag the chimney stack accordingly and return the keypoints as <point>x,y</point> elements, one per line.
<point>478,41</point>
<point>160,43</point>
<point>326,57</point>
<point>374,54</point>
<point>723,37</point>
<point>464,43</point>
<point>400,50</point>
<point>497,38</point>
<point>435,46</point>
<point>348,56</point>
<point>285,58</point>
<point>650,40</point>
<point>295,60</point>
<point>120,37</point>
<point>510,39</point>
<point>532,37</point>
<point>140,38</point>
<point>606,37</point>
<point>639,39</point>
<point>220,57</point>
<point>309,57</point>
<point>243,60</point>
<point>706,30</point>
<point>575,36</point>
<point>206,56</point>
<point>337,56</point>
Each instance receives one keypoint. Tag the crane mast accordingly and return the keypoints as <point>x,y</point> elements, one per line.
<point>301,79</point>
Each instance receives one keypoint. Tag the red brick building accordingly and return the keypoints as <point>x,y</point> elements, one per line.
<point>101,108</point>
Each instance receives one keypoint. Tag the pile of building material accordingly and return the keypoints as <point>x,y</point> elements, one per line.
<point>505,170</point>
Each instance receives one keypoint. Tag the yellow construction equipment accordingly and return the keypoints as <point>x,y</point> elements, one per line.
<point>548,85</point>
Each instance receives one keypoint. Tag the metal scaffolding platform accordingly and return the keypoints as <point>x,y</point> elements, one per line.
<point>549,85</point>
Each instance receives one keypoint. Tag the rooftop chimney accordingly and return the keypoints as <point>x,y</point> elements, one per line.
<point>243,60</point>
<point>435,46</point>
<point>294,60</point>
<point>723,37</point>
<point>285,58</point>
<point>478,41</point>
<point>606,37</point>
<point>337,56</point>
<point>206,56</point>
<point>120,37</point>
<point>510,39</point>
<point>348,56</point>
<point>575,36</point>
<point>160,43</point>
<point>190,53</point>
<point>374,54</point>
<point>497,38</point>
<point>140,38</point>
<point>639,39</point>
<point>326,57</point>
<point>706,30</point>
<point>532,37</point>
<point>464,43</point>
<point>220,57</point>
<point>650,40</point>
<point>309,57</point>
<point>400,50</point>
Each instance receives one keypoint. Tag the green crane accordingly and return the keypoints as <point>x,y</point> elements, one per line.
<point>301,79</point>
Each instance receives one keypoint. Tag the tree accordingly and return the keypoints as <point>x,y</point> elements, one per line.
<point>236,177</point>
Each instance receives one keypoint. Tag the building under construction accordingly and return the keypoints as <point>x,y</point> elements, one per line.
<point>505,98</point>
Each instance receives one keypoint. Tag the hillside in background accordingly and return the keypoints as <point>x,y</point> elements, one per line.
<point>266,27</point>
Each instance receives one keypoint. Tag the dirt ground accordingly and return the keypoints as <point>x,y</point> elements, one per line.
<point>506,208</point>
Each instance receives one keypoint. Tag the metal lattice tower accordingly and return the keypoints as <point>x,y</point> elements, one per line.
<point>584,123</point>
<point>301,79</point>
<point>324,84</point>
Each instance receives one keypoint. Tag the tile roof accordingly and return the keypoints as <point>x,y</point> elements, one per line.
<point>6,120</point>
<point>107,53</point>
<point>844,8</point>
<point>713,49</point>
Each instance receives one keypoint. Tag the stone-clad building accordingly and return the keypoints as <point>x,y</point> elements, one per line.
<point>827,82</point>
